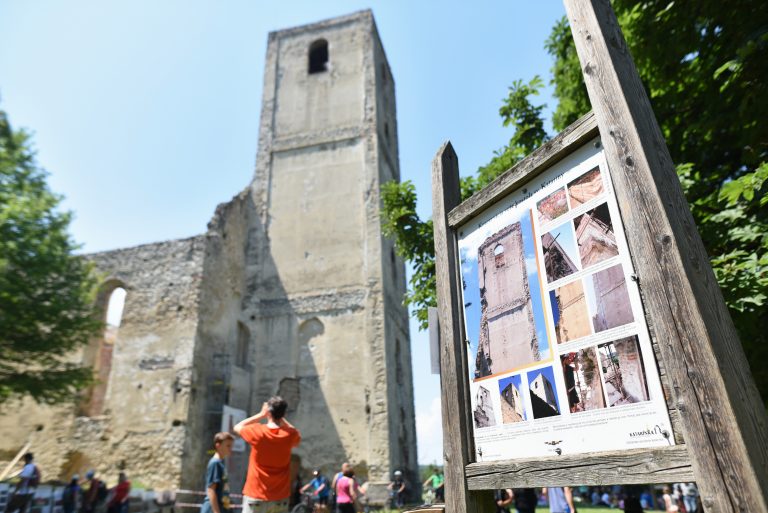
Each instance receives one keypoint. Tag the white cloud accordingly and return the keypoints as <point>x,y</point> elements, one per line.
<point>429,432</point>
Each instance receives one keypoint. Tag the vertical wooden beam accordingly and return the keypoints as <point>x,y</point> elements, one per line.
<point>724,421</point>
<point>458,449</point>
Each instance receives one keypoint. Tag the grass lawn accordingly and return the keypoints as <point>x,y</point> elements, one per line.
<point>592,509</point>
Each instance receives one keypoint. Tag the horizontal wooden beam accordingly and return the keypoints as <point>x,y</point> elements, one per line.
<point>544,157</point>
<point>636,466</point>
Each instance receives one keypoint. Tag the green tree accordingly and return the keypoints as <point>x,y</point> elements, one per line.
<point>413,236</point>
<point>703,66</point>
<point>46,292</point>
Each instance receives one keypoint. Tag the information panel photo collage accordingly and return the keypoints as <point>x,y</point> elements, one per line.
<point>560,359</point>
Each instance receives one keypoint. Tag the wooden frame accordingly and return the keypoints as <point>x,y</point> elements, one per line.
<point>717,416</point>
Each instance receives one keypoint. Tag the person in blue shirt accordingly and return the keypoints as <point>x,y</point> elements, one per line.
<point>216,479</point>
<point>560,499</point>
<point>321,489</point>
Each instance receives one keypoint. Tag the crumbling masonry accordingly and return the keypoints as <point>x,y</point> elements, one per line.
<point>293,290</point>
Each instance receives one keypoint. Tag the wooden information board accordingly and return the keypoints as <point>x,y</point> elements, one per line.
<point>584,338</point>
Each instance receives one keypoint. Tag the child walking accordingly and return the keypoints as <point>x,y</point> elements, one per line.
<point>216,480</point>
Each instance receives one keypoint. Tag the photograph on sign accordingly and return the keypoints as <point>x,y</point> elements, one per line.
<point>507,305</point>
<point>560,360</point>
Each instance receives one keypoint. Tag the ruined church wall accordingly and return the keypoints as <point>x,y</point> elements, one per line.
<point>141,428</point>
<point>219,378</point>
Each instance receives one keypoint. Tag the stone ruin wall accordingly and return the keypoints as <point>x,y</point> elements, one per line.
<point>142,426</point>
<point>299,262</point>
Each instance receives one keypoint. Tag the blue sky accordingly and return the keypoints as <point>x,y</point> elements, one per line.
<point>146,113</point>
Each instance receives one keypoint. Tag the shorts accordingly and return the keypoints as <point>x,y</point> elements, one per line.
<point>323,500</point>
<point>19,502</point>
<point>251,505</point>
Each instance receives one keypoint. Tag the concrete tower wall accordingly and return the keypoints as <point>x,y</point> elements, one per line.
<point>330,285</point>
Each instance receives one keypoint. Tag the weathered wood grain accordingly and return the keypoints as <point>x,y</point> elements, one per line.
<point>458,446</point>
<point>544,157</point>
<point>638,466</point>
<point>724,421</point>
<point>666,386</point>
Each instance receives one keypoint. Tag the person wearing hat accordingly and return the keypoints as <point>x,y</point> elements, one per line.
<point>95,494</point>
<point>321,489</point>
<point>397,490</point>
<point>71,495</point>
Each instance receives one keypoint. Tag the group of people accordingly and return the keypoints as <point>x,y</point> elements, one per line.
<point>267,486</point>
<point>629,499</point>
<point>339,495</point>
<point>682,498</point>
<point>525,500</point>
<point>93,498</point>
<point>96,497</point>
<point>268,481</point>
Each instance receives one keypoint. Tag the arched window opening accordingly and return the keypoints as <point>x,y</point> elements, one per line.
<point>311,350</point>
<point>498,254</point>
<point>243,345</point>
<point>99,353</point>
<point>383,73</point>
<point>318,56</point>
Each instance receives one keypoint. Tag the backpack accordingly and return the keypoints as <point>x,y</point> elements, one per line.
<point>34,481</point>
<point>101,492</point>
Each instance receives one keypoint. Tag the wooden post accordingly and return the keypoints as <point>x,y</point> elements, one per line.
<point>458,448</point>
<point>724,421</point>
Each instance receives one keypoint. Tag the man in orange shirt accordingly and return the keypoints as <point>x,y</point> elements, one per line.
<point>268,484</point>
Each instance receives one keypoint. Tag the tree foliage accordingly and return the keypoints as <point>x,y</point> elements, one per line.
<point>703,66</point>
<point>46,292</point>
<point>413,236</point>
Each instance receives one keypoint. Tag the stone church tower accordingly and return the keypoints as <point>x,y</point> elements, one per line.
<point>292,290</point>
<point>310,278</point>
